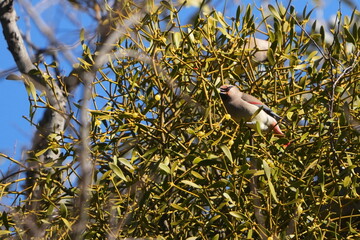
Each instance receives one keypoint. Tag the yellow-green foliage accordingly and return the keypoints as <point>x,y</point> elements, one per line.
<point>170,164</point>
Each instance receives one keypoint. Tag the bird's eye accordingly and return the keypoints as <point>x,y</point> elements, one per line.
<point>225,89</point>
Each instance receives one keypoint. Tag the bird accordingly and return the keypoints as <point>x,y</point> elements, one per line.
<point>241,105</point>
<point>251,48</point>
<point>353,122</point>
<point>258,48</point>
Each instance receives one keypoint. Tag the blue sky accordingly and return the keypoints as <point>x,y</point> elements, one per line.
<point>16,131</point>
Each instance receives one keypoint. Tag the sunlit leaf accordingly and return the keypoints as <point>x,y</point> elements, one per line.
<point>117,171</point>
<point>227,152</point>
<point>192,184</point>
<point>126,163</point>
<point>177,207</point>
<point>274,11</point>
<point>272,191</point>
<point>67,223</point>
<point>165,168</point>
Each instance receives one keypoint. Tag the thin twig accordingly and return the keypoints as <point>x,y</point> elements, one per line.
<point>47,31</point>
<point>86,164</point>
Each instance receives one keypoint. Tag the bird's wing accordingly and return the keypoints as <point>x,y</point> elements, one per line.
<point>254,101</point>
<point>271,112</point>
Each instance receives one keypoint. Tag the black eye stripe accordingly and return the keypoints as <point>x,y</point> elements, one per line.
<point>226,89</point>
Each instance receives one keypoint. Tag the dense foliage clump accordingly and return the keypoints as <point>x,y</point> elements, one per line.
<point>167,160</point>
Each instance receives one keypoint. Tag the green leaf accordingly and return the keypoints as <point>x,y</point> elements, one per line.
<point>197,175</point>
<point>41,152</point>
<point>301,66</point>
<point>236,214</point>
<point>117,171</point>
<point>311,55</point>
<point>216,237</point>
<point>67,223</point>
<point>304,136</point>
<point>274,11</point>
<point>63,210</point>
<point>349,36</point>
<point>227,153</point>
<point>322,34</point>
<point>258,128</point>
<point>207,162</point>
<point>192,184</point>
<point>270,56</point>
<point>248,13</point>
<point>165,168</point>
<point>197,160</point>
<point>321,178</point>
<point>214,218</point>
<point>84,62</point>
<point>178,207</point>
<point>192,238</point>
<point>149,152</point>
<point>82,35</point>
<point>31,90</point>
<point>339,89</point>
<point>4,232</point>
<point>224,32</point>
<point>126,163</point>
<point>167,5</point>
<point>347,181</point>
<point>176,39</point>
<point>267,169</point>
<point>272,191</point>
<point>220,18</point>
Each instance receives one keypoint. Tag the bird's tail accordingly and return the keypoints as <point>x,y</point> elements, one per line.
<point>276,129</point>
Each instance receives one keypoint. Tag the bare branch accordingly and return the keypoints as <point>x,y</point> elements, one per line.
<point>254,185</point>
<point>84,151</point>
<point>53,120</point>
<point>47,31</point>
<point>13,37</point>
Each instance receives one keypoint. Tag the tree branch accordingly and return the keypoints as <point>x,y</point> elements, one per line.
<point>87,77</point>
<point>13,37</point>
<point>53,120</point>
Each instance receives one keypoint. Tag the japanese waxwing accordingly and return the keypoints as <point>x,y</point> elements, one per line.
<point>256,48</point>
<point>244,106</point>
<point>353,122</point>
<point>259,47</point>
